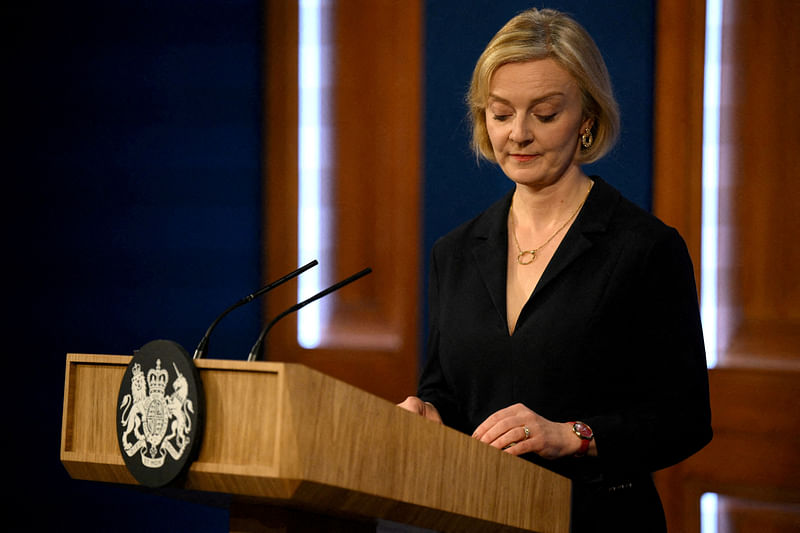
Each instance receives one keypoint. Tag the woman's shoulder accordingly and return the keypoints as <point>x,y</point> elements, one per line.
<point>628,219</point>
<point>627,226</point>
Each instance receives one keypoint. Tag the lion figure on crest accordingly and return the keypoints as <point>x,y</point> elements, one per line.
<point>132,419</point>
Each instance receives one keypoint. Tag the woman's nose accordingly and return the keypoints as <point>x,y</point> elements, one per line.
<point>521,132</point>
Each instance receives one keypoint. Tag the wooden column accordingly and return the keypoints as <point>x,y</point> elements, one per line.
<point>678,120</point>
<point>752,461</point>
<point>373,190</point>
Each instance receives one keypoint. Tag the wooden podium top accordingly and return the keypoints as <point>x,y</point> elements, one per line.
<point>285,433</point>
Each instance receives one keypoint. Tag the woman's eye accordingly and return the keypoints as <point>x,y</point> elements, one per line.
<point>546,118</point>
<point>501,118</point>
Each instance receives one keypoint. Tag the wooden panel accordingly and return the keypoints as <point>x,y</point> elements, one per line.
<point>280,150</point>
<point>760,199</point>
<point>372,340</point>
<point>337,450</point>
<point>234,446</point>
<point>752,456</point>
<point>677,181</point>
<point>89,447</point>
<point>678,120</point>
<point>741,515</point>
<point>377,159</point>
<point>748,453</point>
<point>88,382</point>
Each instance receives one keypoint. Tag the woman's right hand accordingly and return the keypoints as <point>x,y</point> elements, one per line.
<point>426,409</point>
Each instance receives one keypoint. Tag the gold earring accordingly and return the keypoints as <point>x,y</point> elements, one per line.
<point>586,138</point>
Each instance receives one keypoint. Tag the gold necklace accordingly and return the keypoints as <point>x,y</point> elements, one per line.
<point>532,253</point>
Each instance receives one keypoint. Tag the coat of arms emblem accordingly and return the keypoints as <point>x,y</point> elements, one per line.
<point>148,415</point>
<point>158,418</point>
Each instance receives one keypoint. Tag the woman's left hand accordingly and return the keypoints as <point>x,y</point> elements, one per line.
<point>505,429</point>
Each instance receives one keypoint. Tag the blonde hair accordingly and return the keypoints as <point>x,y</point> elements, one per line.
<point>540,34</point>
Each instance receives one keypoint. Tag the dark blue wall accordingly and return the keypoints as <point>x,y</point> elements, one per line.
<point>132,202</point>
<point>135,202</point>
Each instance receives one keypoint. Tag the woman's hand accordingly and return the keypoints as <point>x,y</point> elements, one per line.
<point>505,429</point>
<point>426,409</point>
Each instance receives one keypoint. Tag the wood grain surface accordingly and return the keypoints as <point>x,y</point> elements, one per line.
<point>289,435</point>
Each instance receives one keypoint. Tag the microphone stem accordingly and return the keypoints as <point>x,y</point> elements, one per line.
<point>202,346</point>
<point>258,346</point>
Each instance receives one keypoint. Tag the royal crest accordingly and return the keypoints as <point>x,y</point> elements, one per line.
<point>147,415</point>
<point>157,415</point>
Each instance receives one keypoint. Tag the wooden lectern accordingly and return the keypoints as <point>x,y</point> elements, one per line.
<point>307,452</point>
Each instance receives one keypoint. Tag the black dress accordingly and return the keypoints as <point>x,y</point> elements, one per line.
<point>610,336</point>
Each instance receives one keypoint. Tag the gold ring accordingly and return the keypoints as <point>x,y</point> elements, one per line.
<point>527,432</point>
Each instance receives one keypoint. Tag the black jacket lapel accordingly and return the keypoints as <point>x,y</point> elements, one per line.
<point>490,245</point>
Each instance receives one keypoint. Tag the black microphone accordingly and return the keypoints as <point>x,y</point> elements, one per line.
<point>202,346</point>
<point>256,350</point>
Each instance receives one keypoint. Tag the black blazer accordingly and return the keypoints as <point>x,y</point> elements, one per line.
<point>610,336</point>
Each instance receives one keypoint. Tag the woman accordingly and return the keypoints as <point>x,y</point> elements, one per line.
<point>564,319</point>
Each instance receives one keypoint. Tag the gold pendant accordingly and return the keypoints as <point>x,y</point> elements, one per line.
<point>521,257</point>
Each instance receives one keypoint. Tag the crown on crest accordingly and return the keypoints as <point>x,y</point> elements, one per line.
<point>157,379</point>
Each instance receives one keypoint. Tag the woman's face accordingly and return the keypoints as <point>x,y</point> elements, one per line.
<point>534,117</point>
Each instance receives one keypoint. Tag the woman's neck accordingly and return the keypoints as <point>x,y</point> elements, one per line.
<point>539,209</point>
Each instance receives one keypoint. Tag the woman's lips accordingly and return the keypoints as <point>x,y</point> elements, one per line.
<point>523,158</point>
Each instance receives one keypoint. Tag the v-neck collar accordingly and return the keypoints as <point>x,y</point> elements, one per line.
<point>490,245</point>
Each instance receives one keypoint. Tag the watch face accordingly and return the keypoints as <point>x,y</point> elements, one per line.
<point>582,430</point>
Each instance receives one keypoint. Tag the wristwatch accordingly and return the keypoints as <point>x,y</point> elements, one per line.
<point>585,433</point>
